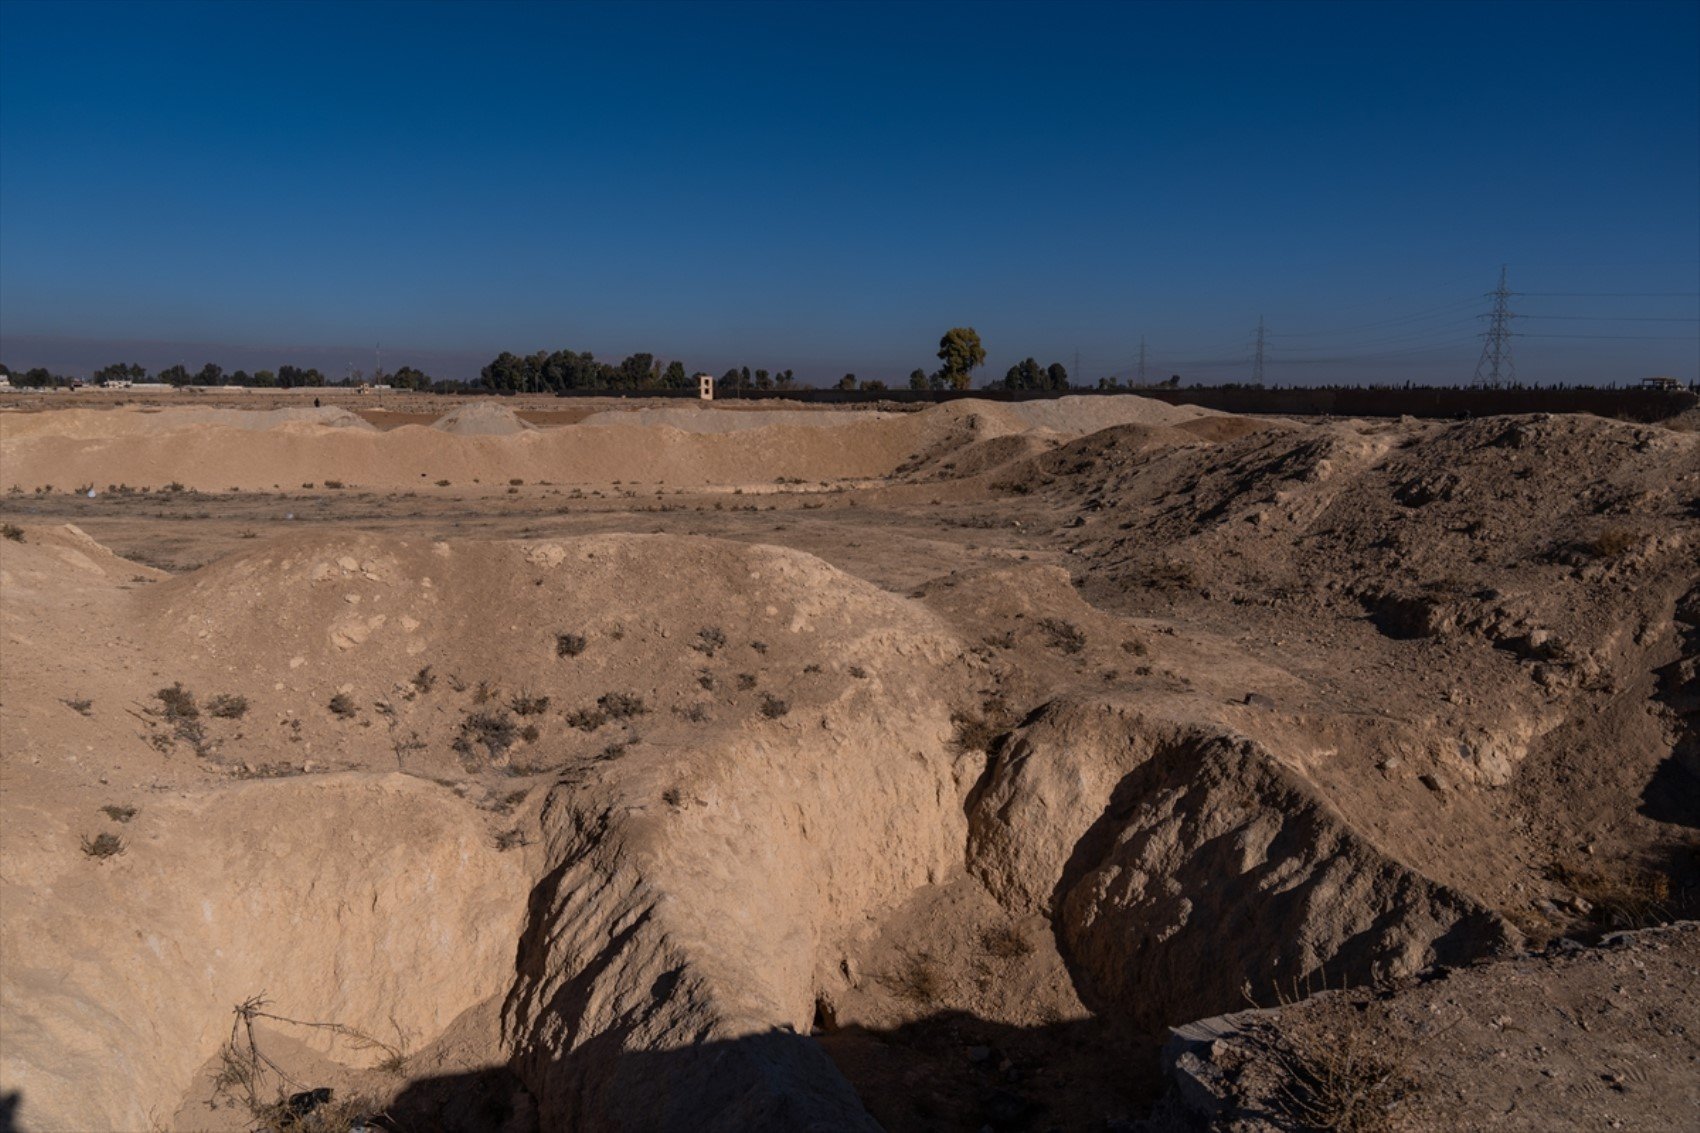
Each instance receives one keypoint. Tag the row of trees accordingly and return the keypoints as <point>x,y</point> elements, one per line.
<point>545,372</point>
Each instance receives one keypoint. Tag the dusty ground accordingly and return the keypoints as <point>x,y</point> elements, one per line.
<point>648,766</point>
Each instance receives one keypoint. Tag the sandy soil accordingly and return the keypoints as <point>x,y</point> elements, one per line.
<point>643,766</point>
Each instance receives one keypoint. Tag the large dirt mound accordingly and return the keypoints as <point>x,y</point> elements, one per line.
<point>481,419</point>
<point>485,445</point>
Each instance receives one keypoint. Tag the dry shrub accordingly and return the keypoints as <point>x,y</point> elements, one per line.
<point>916,979</point>
<point>424,680</point>
<point>710,640</point>
<point>621,705</point>
<point>228,706</point>
<point>1617,899</point>
<point>1005,942</point>
<point>772,707</point>
<point>13,532</point>
<point>1062,635</point>
<point>342,706</point>
<point>1611,542</point>
<point>495,732</point>
<point>119,813</point>
<point>569,644</point>
<point>525,704</point>
<point>103,846</point>
<point>179,702</point>
<point>1343,1081</point>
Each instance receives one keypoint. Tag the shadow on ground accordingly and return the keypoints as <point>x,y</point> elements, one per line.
<point>949,1071</point>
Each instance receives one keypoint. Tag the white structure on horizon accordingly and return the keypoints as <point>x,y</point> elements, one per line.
<point>705,386</point>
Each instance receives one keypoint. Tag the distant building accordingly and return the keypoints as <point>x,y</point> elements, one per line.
<point>705,386</point>
<point>1663,385</point>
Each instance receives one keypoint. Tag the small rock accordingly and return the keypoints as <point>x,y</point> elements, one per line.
<point>1431,781</point>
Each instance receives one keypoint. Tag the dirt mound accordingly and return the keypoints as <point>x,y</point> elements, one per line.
<point>1186,870</point>
<point>91,424</point>
<point>109,448</point>
<point>481,419</point>
<point>767,758</point>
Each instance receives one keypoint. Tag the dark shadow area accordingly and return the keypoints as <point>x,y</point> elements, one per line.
<point>490,1100</point>
<point>948,1072</point>
<point>9,1103</point>
<point>1673,794</point>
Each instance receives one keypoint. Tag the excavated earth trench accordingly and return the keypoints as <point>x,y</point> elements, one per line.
<point>670,832</point>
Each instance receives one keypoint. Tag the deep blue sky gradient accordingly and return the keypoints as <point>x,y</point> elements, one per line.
<point>829,187</point>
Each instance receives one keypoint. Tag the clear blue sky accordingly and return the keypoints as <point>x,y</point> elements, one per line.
<point>829,187</point>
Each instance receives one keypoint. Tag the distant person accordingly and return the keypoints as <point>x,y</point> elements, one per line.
<point>315,403</point>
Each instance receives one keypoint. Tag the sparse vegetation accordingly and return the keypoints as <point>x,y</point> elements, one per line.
<point>227,706</point>
<point>1062,635</point>
<point>119,813</point>
<point>1612,899</point>
<point>1343,1081</point>
<point>917,979</point>
<point>1612,541</point>
<point>80,705</point>
<point>746,681</point>
<point>424,680</point>
<point>12,531</point>
<point>178,702</point>
<point>569,644</point>
<point>106,845</point>
<point>342,706</point>
<point>1005,942</point>
<point>710,640</point>
<point>526,704</point>
<point>621,706</point>
<point>495,732</point>
<point>772,707</point>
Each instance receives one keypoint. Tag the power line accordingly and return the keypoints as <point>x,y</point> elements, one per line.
<point>1614,294</point>
<point>1496,340</point>
<point>1618,318</point>
<point>1622,337</point>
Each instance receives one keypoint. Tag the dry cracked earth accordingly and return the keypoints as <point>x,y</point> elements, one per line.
<point>1094,764</point>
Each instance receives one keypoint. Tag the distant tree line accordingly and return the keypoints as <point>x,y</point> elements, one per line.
<point>212,374</point>
<point>548,372</point>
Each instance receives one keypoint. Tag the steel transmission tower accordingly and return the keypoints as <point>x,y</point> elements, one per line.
<point>1257,359</point>
<point>1495,367</point>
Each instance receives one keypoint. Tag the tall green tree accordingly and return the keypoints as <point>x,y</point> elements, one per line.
<point>918,379</point>
<point>961,353</point>
<point>675,377</point>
